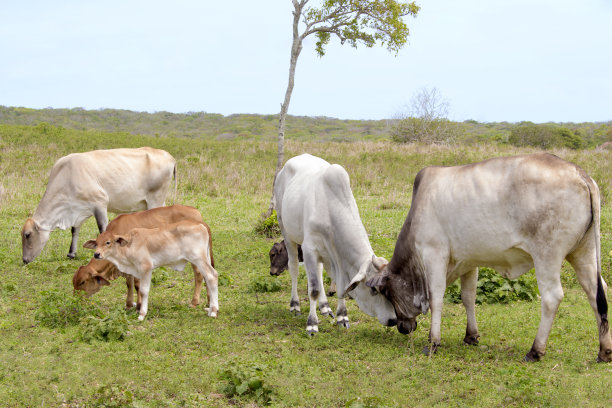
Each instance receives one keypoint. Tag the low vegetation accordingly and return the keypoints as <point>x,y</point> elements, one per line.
<point>61,350</point>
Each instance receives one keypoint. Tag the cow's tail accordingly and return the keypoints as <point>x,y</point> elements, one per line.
<point>602,302</point>
<point>175,176</point>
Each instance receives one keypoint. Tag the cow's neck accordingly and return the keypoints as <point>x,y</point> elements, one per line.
<point>58,212</point>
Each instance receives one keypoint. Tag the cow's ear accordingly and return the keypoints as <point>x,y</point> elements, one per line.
<point>359,277</point>
<point>377,281</point>
<point>101,281</point>
<point>121,241</point>
<point>91,244</point>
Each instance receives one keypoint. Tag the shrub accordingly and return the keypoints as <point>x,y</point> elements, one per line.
<point>268,227</point>
<point>246,381</point>
<point>112,327</point>
<point>262,284</point>
<point>59,310</point>
<point>494,288</point>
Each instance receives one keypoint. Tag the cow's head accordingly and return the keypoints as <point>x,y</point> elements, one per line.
<point>278,258</point>
<point>87,279</point>
<point>33,240</point>
<point>369,301</point>
<point>401,294</point>
<point>106,245</point>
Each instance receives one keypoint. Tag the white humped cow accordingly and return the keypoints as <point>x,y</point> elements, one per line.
<point>316,209</point>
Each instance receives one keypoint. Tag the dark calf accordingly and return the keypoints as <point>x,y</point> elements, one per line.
<point>279,262</point>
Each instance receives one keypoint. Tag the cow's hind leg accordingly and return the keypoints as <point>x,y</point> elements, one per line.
<point>469,281</point>
<point>198,278</point>
<point>212,286</point>
<point>584,262</point>
<point>129,299</point>
<point>548,275</point>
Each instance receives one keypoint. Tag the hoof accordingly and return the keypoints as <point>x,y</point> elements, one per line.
<point>312,330</point>
<point>326,311</point>
<point>471,340</point>
<point>604,356</point>
<point>71,255</point>
<point>431,349</point>
<point>141,318</point>
<point>343,321</point>
<point>130,305</point>
<point>532,356</point>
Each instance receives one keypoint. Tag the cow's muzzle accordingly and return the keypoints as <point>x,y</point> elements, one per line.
<point>97,255</point>
<point>406,326</point>
<point>274,271</point>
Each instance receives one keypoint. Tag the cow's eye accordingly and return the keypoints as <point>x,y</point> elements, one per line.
<point>27,235</point>
<point>373,291</point>
<point>81,284</point>
<point>107,242</point>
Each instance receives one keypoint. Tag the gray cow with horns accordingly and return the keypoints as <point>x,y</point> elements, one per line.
<point>511,214</point>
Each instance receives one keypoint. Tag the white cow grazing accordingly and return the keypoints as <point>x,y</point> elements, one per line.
<point>316,209</point>
<point>511,214</point>
<point>92,183</point>
<point>141,250</point>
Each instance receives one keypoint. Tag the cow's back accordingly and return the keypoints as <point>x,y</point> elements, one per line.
<point>120,177</point>
<point>154,218</point>
<point>495,210</point>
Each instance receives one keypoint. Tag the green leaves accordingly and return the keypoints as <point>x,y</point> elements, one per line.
<point>494,288</point>
<point>359,22</point>
<point>246,381</point>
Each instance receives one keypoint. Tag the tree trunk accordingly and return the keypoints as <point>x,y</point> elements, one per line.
<point>296,48</point>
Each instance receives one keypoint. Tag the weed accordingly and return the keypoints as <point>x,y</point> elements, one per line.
<point>268,227</point>
<point>112,327</point>
<point>262,284</point>
<point>494,288</point>
<point>59,310</point>
<point>112,396</point>
<point>246,381</point>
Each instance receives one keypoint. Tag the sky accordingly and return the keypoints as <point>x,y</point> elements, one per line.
<point>491,60</point>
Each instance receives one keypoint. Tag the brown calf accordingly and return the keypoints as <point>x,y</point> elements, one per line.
<point>98,273</point>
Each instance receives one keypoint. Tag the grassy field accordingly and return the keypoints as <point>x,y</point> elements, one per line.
<point>177,356</point>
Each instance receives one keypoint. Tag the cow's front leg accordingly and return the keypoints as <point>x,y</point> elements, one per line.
<point>314,290</point>
<point>323,303</point>
<point>145,286</point>
<point>437,286</point>
<point>293,266</point>
<point>73,244</point>
<point>468,298</point>
<point>342,315</point>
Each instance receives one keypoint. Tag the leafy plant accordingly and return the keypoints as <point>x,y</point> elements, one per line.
<point>58,310</point>
<point>112,396</point>
<point>268,227</point>
<point>262,284</point>
<point>246,381</point>
<point>112,327</point>
<point>494,288</point>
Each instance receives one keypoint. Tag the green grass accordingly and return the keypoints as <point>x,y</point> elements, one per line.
<point>177,356</point>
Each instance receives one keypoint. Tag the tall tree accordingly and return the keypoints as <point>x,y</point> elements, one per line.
<point>365,22</point>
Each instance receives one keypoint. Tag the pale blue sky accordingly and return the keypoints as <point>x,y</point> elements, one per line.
<point>495,60</point>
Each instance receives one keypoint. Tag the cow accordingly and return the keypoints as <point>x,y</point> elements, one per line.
<point>279,262</point>
<point>316,209</point>
<point>97,273</point>
<point>141,250</point>
<point>508,213</point>
<point>92,183</point>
